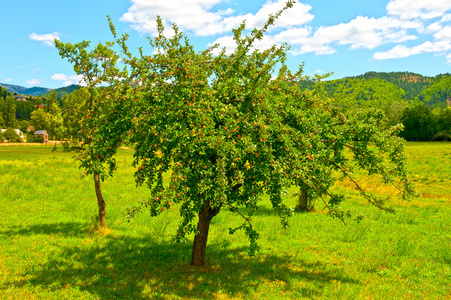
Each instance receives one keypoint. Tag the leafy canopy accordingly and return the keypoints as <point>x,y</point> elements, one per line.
<point>230,128</point>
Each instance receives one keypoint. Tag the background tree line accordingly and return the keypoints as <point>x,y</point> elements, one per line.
<point>419,102</point>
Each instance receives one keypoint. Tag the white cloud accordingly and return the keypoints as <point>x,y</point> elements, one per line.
<point>199,16</point>
<point>314,48</point>
<point>448,59</point>
<point>8,80</point>
<point>422,9</point>
<point>46,39</point>
<point>33,82</point>
<point>401,51</point>
<point>364,32</point>
<point>406,20</point>
<point>68,80</point>
<point>443,34</point>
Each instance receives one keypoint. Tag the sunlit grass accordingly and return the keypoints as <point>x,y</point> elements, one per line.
<point>50,249</point>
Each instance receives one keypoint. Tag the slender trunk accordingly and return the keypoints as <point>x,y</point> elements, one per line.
<point>303,200</point>
<point>304,203</point>
<point>100,201</point>
<point>200,240</point>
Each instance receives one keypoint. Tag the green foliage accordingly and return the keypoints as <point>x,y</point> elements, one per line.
<point>363,93</point>
<point>230,131</point>
<point>93,112</point>
<point>31,138</point>
<point>437,94</point>
<point>444,125</point>
<point>8,111</point>
<point>381,90</point>
<point>24,110</point>
<point>61,92</point>
<point>411,83</point>
<point>38,139</point>
<point>39,119</point>
<point>4,93</point>
<point>24,126</point>
<point>419,123</point>
<point>73,112</point>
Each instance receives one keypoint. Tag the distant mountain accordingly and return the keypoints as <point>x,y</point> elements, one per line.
<point>13,88</point>
<point>34,91</point>
<point>39,91</point>
<point>60,92</point>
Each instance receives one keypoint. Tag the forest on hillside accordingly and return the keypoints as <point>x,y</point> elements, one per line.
<point>379,89</point>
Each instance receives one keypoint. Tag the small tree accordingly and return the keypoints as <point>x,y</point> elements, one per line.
<point>39,119</point>
<point>73,112</point>
<point>102,116</point>
<point>229,130</point>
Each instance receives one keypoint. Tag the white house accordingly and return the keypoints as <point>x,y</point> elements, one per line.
<point>18,132</point>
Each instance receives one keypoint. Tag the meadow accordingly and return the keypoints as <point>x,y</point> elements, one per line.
<point>49,248</point>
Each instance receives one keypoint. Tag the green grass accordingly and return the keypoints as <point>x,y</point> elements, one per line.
<point>48,249</point>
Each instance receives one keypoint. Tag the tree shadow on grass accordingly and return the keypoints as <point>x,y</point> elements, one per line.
<point>74,229</point>
<point>149,267</point>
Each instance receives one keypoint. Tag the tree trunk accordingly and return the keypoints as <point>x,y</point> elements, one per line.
<point>304,203</point>
<point>100,201</point>
<point>200,240</point>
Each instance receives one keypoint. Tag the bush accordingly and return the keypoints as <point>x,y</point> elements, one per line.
<point>39,139</point>
<point>66,147</point>
<point>442,136</point>
<point>30,138</point>
<point>1,137</point>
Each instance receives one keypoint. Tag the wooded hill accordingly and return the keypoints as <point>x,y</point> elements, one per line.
<point>21,90</point>
<point>378,89</point>
<point>38,91</point>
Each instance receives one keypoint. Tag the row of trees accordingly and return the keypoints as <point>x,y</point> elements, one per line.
<point>8,112</point>
<point>227,128</point>
<point>420,122</point>
<point>423,124</point>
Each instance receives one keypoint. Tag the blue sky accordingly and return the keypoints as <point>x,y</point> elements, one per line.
<point>347,38</point>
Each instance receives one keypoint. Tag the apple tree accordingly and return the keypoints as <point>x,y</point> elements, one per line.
<point>101,113</point>
<point>230,128</point>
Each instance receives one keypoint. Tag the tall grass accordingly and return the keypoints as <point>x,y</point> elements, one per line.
<point>49,250</point>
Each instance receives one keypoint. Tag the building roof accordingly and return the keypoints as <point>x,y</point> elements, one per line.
<point>41,132</point>
<point>20,98</point>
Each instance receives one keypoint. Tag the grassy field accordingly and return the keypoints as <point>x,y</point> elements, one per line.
<point>48,249</point>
